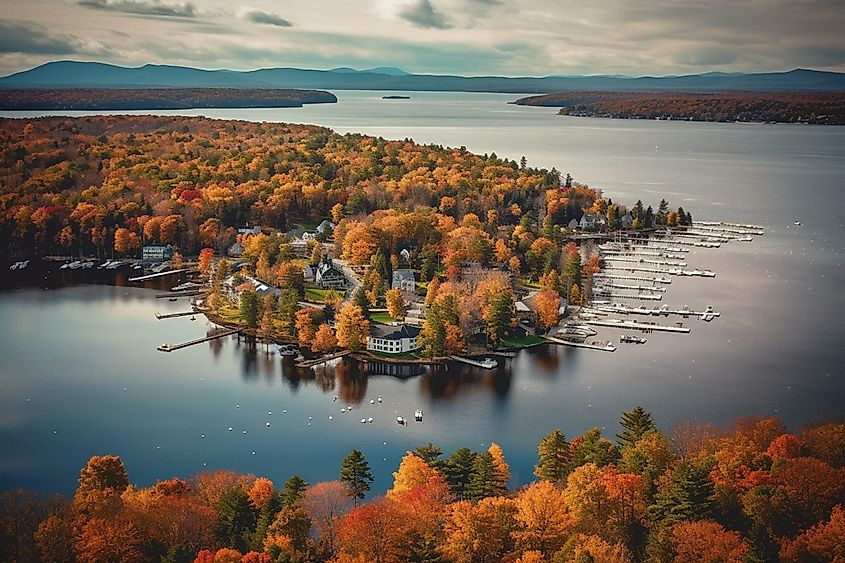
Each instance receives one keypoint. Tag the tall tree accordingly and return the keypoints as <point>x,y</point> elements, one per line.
<point>686,495</point>
<point>501,470</point>
<point>294,488</point>
<point>250,309</point>
<point>236,518</point>
<point>352,327</point>
<point>356,475</point>
<point>396,306</point>
<point>458,469</point>
<point>636,423</point>
<point>482,480</point>
<point>554,456</point>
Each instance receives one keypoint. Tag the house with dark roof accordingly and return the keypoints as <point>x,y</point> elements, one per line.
<point>393,339</point>
<point>236,284</point>
<point>328,276</point>
<point>592,222</point>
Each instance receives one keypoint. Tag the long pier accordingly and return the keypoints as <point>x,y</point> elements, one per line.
<point>322,359</point>
<point>602,275</point>
<point>173,347</point>
<point>158,275</point>
<point>173,294</point>
<point>161,316</point>
<point>485,365</point>
<point>640,296</point>
<point>609,347</point>
<point>639,326</point>
<point>634,260</point>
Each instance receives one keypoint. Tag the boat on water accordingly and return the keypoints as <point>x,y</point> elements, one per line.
<point>797,223</point>
<point>19,265</point>
<point>172,299</point>
<point>632,339</point>
<point>489,363</point>
<point>418,415</point>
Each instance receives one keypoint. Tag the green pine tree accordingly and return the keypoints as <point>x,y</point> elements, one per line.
<point>592,448</point>
<point>458,469</point>
<point>294,487</point>
<point>481,483</point>
<point>688,496</point>
<point>553,457</point>
<point>356,475</point>
<point>265,518</point>
<point>431,454</point>
<point>236,518</point>
<point>637,423</point>
<point>250,309</point>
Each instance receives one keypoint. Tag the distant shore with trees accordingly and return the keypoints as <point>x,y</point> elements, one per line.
<point>815,108</point>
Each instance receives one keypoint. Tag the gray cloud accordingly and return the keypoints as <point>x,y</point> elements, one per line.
<point>422,13</point>
<point>144,7</point>
<point>260,16</point>
<point>18,37</point>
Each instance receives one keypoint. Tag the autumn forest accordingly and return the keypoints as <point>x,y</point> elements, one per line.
<point>751,493</point>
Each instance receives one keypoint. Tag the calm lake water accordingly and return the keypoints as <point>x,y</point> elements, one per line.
<point>80,374</point>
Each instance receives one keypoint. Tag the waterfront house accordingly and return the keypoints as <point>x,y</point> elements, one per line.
<point>592,222</point>
<point>404,281</point>
<point>328,276</point>
<point>157,252</point>
<point>393,339</point>
<point>256,230</point>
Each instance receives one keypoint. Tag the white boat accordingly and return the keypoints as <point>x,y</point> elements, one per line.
<point>797,223</point>
<point>632,339</point>
<point>104,265</point>
<point>418,415</point>
<point>75,265</point>
<point>400,420</point>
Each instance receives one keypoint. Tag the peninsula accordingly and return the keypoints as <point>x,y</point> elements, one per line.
<point>158,98</point>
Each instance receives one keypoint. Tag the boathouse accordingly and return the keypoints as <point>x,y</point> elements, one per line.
<point>157,252</point>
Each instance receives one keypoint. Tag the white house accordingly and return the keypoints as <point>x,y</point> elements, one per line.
<point>393,339</point>
<point>248,283</point>
<point>404,281</point>
<point>592,222</point>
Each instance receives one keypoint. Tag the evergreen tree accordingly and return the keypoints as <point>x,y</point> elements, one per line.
<point>481,482</point>
<point>458,470</point>
<point>662,212</point>
<point>250,309</point>
<point>360,298</point>
<point>236,518</point>
<point>637,423</point>
<point>592,448</point>
<point>428,262</point>
<point>380,264</point>
<point>433,334</point>
<point>294,487</point>
<point>356,475</point>
<point>265,518</point>
<point>649,217</point>
<point>687,496</point>
<point>430,454</point>
<point>553,458</point>
<point>498,316</point>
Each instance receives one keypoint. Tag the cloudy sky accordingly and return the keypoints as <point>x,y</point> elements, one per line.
<point>469,37</point>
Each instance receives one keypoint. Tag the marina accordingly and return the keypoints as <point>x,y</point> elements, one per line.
<point>601,346</point>
<point>636,325</point>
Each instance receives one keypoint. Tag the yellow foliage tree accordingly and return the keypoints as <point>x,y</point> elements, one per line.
<point>501,470</point>
<point>548,307</point>
<point>353,328</point>
<point>324,339</point>
<point>396,306</point>
<point>544,518</point>
<point>413,472</point>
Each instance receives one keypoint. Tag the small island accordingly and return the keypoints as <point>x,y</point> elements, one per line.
<point>159,98</point>
<point>396,97</point>
<point>816,108</point>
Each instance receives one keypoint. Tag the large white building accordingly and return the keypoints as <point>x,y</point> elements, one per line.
<point>393,339</point>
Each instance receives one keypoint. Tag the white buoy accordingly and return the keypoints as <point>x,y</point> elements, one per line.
<point>284,412</point>
<point>237,406</point>
<point>342,410</point>
<point>230,429</point>
<point>267,425</point>
<point>310,418</point>
<point>331,417</point>
<point>363,421</point>
<point>270,413</point>
<point>253,452</point>
<point>379,399</point>
<point>372,401</point>
<point>370,420</point>
<point>349,407</point>
<point>244,431</point>
<point>202,435</point>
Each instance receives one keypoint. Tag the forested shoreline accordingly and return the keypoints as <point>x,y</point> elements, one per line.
<point>157,98</point>
<point>817,108</point>
<point>754,492</point>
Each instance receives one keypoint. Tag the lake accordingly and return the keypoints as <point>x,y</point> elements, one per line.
<point>80,373</point>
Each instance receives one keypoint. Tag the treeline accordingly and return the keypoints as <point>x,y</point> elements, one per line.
<point>754,493</point>
<point>820,108</point>
<point>68,184</point>
<point>158,98</point>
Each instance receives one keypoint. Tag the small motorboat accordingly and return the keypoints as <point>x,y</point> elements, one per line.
<point>401,420</point>
<point>418,415</point>
<point>797,223</point>
<point>632,339</point>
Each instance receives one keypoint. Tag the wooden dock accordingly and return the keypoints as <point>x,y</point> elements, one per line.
<point>172,347</point>
<point>469,361</point>
<point>635,325</point>
<point>158,275</point>
<point>609,347</point>
<point>323,359</point>
<point>161,316</point>
<point>178,294</point>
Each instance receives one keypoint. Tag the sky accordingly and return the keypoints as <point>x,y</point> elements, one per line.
<point>466,37</point>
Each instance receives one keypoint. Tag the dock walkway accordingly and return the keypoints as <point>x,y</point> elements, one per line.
<point>609,347</point>
<point>485,365</point>
<point>161,316</point>
<point>158,275</point>
<point>635,325</point>
<point>173,347</point>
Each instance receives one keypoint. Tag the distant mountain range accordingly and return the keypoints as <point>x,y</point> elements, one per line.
<point>72,74</point>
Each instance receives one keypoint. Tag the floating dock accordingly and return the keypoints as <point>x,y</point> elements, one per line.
<point>173,347</point>
<point>158,275</point>
<point>608,347</point>
<point>635,325</point>
<point>631,278</point>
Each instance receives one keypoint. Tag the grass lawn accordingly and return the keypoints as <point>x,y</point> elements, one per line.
<point>316,295</point>
<point>382,318</point>
<point>528,283</point>
<point>521,341</point>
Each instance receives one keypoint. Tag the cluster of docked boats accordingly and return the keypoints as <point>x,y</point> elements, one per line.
<point>22,265</point>
<point>78,265</point>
